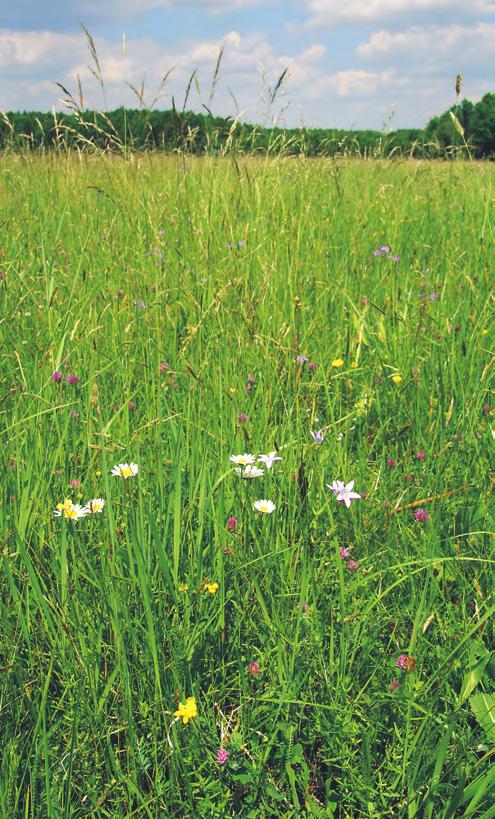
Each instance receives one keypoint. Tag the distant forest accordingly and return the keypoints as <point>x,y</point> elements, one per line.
<point>466,127</point>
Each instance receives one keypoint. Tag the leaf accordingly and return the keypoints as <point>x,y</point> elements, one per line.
<point>473,676</point>
<point>483,708</point>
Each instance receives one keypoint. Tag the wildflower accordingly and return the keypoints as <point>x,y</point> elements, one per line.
<point>434,296</point>
<point>253,668</point>
<point>394,685</point>
<point>242,460</point>
<point>304,607</point>
<point>337,362</point>
<point>212,588</point>
<point>187,710</point>
<point>75,413</point>
<point>381,250</point>
<point>251,379</point>
<point>397,378</point>
<point>12,499</point>
<point>242,418</point>
<point>248,388</point>
<point>182,587</point>
<point>390,463</point>
<point>72,378</point>
<point>163,366</point>
<point>71,511</point>
<point>394,258</point>
<point>420,455</point>
<point>406,663</point>
<point>301,359</point>
<point>344,553</point>
<point>312,365</point>
<point>408,477</point>
<point>231,524</point>
<point>75,483</point>
<point>269,459</point>
<point>56,376</point>
<point>354,365</point>
<point>11,464</point>
<point>221,756</point>
<point>95,506</point>
<point>130,405</point>
<point>249,471</point>
<point>317,435</point>
<point>421,515</point>
<point>125,470</point>
<point>352,565</point>
<point>265,506</point>
<point>343,492</point>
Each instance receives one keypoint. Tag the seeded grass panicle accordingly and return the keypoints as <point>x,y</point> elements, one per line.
<point>176,620</point>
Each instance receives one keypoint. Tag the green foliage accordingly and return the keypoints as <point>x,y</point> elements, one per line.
<point>164,282</point>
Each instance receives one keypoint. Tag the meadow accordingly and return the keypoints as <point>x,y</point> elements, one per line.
<point>167,647</point>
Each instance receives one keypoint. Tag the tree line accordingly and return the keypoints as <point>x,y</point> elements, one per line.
<point>466,127</point>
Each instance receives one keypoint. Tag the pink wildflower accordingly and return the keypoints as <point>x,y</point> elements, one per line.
<point>253,668</point>
<point>221,756</point>
<point>420,455</point>
<point>421,515</point>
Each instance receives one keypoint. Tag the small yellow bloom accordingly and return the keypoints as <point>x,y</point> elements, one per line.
<point>337,362</point>
<point>396,378</point>
<point>187,710</point>
<point>212,587</point>
<point>232,390</point>
<point>98,473</point>
<point>182,587</point>
<point>65,505</point>
<point>354,365</point>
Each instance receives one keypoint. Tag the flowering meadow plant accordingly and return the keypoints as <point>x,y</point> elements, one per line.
<point>282,604</point>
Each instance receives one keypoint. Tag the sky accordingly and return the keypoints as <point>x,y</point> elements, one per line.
<point>380,64</point>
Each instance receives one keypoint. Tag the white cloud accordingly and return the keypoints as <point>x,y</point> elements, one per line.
<point>332,13</point>
<point>451,46</point>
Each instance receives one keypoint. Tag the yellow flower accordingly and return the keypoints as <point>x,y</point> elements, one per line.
<point>212,587</point>
<point>187,710</point>
<point>98,473</point>
<point>396,378</point>
<point>232,390</point>
<point>337,362</point>
<point>182,587</point>
<point>354,365</point>
<point>65,505</point>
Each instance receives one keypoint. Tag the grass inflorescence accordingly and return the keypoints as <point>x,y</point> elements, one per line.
<point>186,650</point>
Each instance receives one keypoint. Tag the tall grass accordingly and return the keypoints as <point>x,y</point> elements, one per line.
<point>163,282</point>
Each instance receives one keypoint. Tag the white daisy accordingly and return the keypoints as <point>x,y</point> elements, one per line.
<point>125,470</point>
<point>242,460</point>
<point>269,459</point>
<point>265,506</point>
<point>71,511</point>
<point>249,471</point>
<point>96,505</point>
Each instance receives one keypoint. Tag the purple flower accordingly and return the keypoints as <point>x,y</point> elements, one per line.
<point>394,685</point>
<point>421,515</point>
<point>312,365</point>
<point>394,258</point>
<point>72,378</point>
<point>352,565</point>
<point>221,756</point>
<point>420,455</point>
<point>231,524</point>
<point>434,296</point>
<point>242,418</point>
<point>56,376</point>
<point>390,463</point>
<point>301,359</point>
<point>381,250</point>
<point>317,435</point>
<point>344,553</point>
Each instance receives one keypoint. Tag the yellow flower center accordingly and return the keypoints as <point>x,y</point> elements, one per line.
<point>70,513</point>
<point>126,472</point>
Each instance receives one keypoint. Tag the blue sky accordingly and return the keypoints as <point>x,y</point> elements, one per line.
<point>359,63</point>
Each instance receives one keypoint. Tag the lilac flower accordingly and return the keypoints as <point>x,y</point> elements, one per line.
<point>394,258</point>
<point>72,378</point>
<point>317,435</point>
<point>343,492</point>
<point>269,459</point>
<point>301,359</point>
<point>221,756</point>
<point>390,463</point>
<point>56,376</point>
<point>381,250</point>
<point>421,515</point>
<point>434,296</point>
